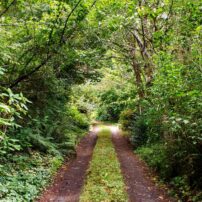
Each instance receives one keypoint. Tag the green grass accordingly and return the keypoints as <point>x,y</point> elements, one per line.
<point>104,181</point>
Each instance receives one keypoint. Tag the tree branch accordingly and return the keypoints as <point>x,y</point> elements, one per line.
<point>4,11</point>
<point>141,44</point>
<point>27,75</point>
<point>67,19</point>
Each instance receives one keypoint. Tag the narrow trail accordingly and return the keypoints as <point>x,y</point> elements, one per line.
<point>69,181</point>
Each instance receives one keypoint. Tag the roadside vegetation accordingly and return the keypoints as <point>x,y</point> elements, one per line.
<point>104,180</point>
<point>25,176</point>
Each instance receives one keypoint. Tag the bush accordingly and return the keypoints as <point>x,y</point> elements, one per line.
<point>12,107</point>
<point>156,157</point>
<point>126,119</point>
<point>112,103</point>
<point>135,125</point>
<point>55,163</point>
<point>79,119</point>
<point>55,133</point>
<point>167,161</point>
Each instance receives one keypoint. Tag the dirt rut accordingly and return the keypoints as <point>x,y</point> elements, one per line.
<point>69,180</point>
<point>139,185</point>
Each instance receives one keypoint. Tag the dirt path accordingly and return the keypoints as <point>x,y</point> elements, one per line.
<point>69,180</point>
<point>139,185</point>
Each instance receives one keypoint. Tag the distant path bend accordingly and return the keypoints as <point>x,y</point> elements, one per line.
<point>139,185</point>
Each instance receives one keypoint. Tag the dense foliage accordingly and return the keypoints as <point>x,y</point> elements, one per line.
<point>159,42</point>
<point>42,55</point>
<point>138,62</point>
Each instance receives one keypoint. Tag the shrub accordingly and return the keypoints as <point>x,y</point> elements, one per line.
<point>113,102</point>
<point>55,133</point>
<point>12,107</point>
<point>135,125</point>
<point>55,163</point>
<point>167,160</point>
<point>126,118</point>
<point>156,157</point>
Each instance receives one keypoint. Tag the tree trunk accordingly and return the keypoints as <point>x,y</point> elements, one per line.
<point>138,79</point>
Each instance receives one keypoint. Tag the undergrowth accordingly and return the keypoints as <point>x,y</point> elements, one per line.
<point>25,175</point>
<point>156,156</point>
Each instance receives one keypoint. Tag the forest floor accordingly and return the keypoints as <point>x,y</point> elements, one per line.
<point>122,165</point>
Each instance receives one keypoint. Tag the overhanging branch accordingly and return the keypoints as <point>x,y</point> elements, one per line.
<point>5,10</point>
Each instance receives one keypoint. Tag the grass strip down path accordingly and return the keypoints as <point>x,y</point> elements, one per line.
<point>104,180</point>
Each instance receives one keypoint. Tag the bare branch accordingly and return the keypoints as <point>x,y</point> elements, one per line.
<point>140,44</point>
